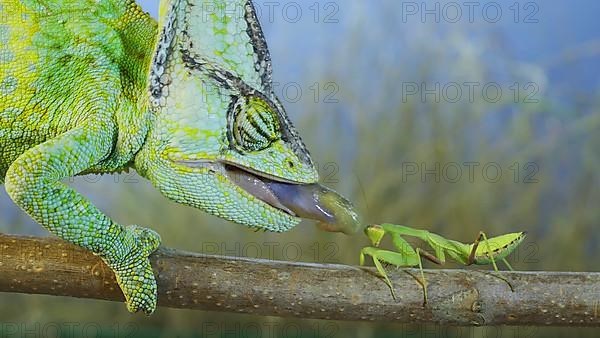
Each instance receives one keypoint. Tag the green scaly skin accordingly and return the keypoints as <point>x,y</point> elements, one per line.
<point>91,86</point>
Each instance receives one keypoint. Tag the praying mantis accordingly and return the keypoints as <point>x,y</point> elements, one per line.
<point>492,250</point>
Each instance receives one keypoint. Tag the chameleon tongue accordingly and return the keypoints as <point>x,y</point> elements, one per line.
<point>313,201</point>
<point>257,187</point>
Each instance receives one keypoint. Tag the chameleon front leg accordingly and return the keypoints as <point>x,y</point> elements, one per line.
<point>33,183</point>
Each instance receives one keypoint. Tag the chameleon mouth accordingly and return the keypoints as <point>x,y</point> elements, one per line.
<point>257,186</point>
<point>248,180</point>
<point>311,201</point>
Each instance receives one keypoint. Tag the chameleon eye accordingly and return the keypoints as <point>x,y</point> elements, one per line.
<point>255,125</point>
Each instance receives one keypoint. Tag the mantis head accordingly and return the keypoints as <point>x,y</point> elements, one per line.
<point>375,234</point>
<point>221,140</point>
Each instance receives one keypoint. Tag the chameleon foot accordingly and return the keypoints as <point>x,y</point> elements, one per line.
<point>149,239</point>
<point>133,271</point>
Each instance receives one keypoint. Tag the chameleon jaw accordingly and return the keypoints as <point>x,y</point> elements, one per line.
<point>245,179</point>
<point>313,201</point>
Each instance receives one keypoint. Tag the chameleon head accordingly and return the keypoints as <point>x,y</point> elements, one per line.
<point>221,140</point>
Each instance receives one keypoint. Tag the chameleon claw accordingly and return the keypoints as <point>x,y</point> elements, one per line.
<point>133,270</point>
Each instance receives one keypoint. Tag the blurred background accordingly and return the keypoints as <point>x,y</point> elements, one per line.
<point>450,116</point>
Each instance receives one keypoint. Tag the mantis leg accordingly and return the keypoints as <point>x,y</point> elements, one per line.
<point>430,257</point>
<point>507,265</point>
<point>405,259</point>
<point>471,258</point>
<point>491,255</point>
<point>423,281</point>
<point>386,256</point>
<point>489,250</point>
<point>381,271</point>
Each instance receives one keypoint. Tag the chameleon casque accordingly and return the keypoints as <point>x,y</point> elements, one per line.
<point>98,86</point>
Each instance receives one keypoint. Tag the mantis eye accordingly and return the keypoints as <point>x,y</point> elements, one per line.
<point>255,125</point>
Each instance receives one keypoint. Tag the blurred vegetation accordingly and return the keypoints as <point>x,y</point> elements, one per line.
<point>364,144</point>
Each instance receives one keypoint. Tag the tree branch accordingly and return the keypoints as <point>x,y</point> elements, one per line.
<point>323,291</point>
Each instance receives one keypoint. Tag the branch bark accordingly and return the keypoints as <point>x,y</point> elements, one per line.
<point>322,291</point>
